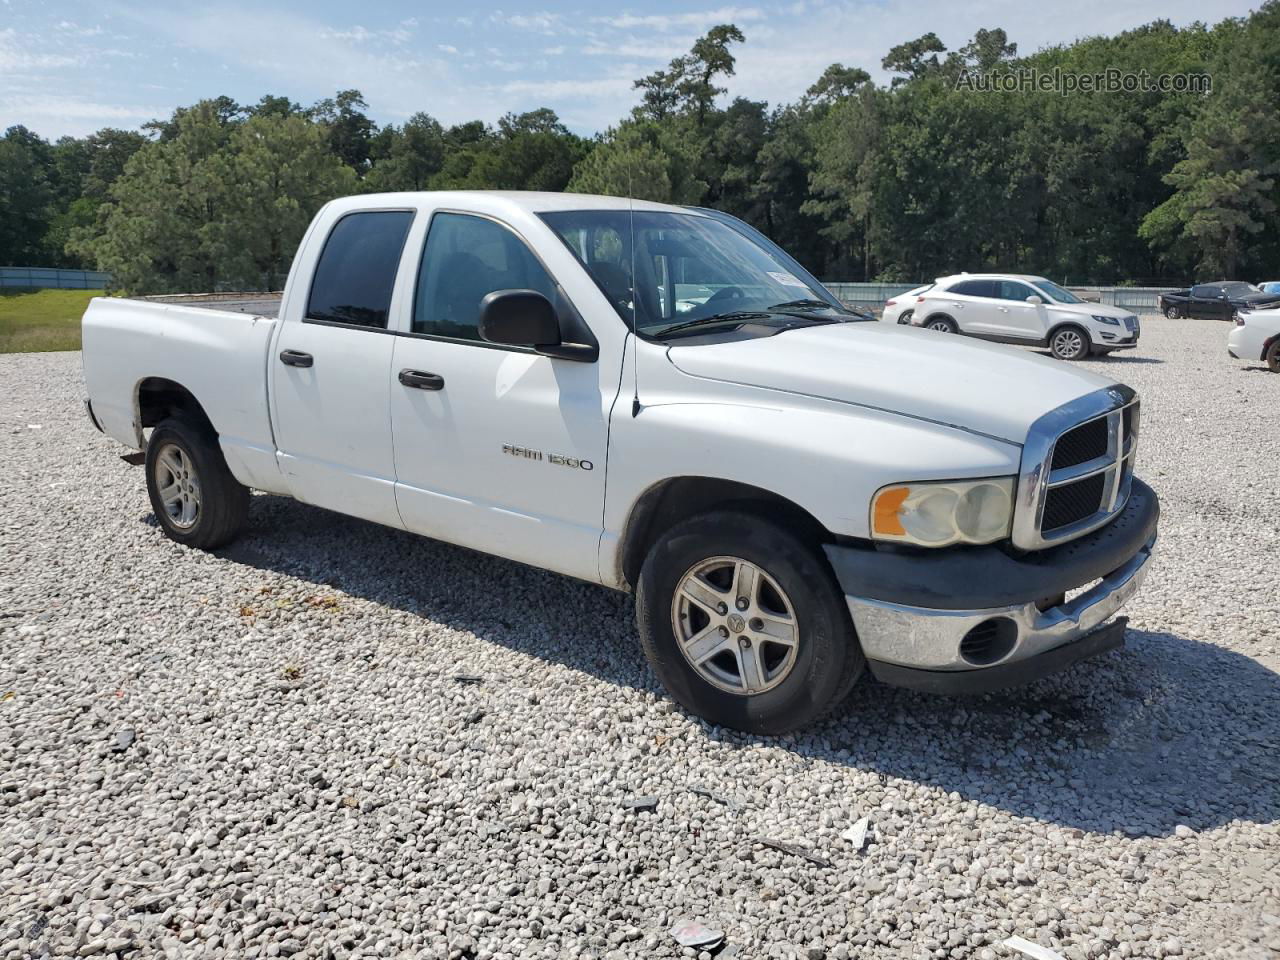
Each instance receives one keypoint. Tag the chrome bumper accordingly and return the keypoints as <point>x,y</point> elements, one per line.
<point>929,639</point>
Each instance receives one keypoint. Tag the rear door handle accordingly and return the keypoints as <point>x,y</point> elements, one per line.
<point>421,380</point>
<point>296,358</point>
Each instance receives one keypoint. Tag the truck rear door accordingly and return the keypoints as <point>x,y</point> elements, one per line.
<point>330,373</point>
<point>498,448</point>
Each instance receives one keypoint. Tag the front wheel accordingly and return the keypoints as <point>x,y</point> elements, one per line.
<point>195,498</point>
<point>1273,357</point>
<point>743,623</point>
<point>1069,343</point>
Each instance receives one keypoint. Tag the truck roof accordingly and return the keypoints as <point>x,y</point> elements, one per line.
<point>531,201</point>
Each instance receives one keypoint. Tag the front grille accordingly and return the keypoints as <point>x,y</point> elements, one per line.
<point>1081,444</point>
<point>1074,502</point>
<point>1078,470</point>
<point>1130,414</point>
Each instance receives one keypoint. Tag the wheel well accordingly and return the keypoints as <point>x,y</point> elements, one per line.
<point>1068,323</point>
<point>158,399</point>
<point>665,504</point>
<point>1266,345</point>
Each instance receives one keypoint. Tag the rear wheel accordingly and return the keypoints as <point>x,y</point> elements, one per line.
<point>195,498</point>
<point>1069,343</point>
<point>743,623</point>
<point>942,325</point>
<point>1172,313</point>
<point>1273,357</point>
<point>905,318</point>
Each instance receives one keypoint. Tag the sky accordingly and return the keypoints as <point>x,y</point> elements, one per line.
<point>69,68</point>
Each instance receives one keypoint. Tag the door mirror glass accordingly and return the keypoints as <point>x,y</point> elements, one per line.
<point>519,318</point>
<point>1035,300</point>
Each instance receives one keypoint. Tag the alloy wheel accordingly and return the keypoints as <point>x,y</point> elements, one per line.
<point>735,625</point>
<point>178,486</point>
<point>1068,344</point>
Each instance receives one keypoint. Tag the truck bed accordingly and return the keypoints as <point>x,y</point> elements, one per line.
<point>212,345</point>
<point>259,304</point>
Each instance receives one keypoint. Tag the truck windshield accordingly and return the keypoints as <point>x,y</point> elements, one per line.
<point>1055,292</point>
<point>688,267</point>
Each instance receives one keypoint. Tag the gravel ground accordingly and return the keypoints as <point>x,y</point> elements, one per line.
<point>266,752</point>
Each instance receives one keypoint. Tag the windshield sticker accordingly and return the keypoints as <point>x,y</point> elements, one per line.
<point>789,280</point>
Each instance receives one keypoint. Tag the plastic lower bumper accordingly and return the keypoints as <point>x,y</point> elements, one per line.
<point>973,620</point>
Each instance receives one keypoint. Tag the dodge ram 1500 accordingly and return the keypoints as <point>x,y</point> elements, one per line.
<point>659,400</point>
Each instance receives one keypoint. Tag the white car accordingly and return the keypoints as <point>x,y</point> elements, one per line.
<point>649,398</point>
<point>899,309</point>
<point>1256,336</point>
<point>1014,308</point>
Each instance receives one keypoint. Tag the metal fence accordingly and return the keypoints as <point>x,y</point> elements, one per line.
<point>871,296</point>
<point>35,277</point>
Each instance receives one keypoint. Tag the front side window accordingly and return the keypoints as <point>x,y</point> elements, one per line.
<point>356,273</point>
<point>1013,290</point>
<point>1055,292</point>
<point>681,268</point>
<point>465,259</point>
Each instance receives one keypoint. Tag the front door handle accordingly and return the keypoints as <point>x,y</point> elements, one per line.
<point>421,380</point>
<point>296,358</point>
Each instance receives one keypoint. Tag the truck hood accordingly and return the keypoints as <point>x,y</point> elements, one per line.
<point>983,388</point>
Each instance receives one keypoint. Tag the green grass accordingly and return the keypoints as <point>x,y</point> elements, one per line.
<point>35,321</point>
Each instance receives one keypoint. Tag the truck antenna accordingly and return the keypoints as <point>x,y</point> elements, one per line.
<point>635,295</point>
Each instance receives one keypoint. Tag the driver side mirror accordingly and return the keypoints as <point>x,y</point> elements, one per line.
<point>519,318</point>
<point>1035,300</point>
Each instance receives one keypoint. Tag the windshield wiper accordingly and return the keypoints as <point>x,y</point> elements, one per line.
<point>806,302</point>
<point>714,318</point>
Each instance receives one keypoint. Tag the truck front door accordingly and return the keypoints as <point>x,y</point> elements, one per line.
<point>328,371</point>
<point>497,448</point>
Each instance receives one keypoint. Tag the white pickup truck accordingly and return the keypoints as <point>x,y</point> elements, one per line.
<point>657,399</point>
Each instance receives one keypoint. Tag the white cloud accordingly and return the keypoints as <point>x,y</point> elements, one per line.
<point>73,116</point>
<point>19,54</point>
<point>697,19</point>
<point>446,48</point>
<point>636,48</point>
<point>359,34</point>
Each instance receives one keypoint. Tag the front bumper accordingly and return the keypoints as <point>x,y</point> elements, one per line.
<point>977,619</point>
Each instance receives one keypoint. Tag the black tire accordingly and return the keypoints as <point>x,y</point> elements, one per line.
<point>1273,357</point>
<point>1065,347</point>
<point>941,325</point>
<point>905,318</point>
<point>1173,313</point>
<point>223,502</point>
<point>827,660</point>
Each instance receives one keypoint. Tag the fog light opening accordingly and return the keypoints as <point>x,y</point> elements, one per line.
<point>989,642</point>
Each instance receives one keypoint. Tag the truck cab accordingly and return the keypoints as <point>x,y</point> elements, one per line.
<point>651,398</point>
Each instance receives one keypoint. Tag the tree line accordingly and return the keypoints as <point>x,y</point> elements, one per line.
<point>907,180</point>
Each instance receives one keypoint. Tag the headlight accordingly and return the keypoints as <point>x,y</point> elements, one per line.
<point>1111,320</point>
<point>938,514</point>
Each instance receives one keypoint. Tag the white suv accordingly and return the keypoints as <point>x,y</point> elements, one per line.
<point>1012,308</point>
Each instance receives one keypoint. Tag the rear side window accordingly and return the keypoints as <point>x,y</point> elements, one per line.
<point>357,268</point>
<point>975,288</point>
<point>1206,292</point>
<point>465,259</point>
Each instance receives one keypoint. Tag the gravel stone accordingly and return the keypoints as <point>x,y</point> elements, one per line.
<point>312,777</point>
